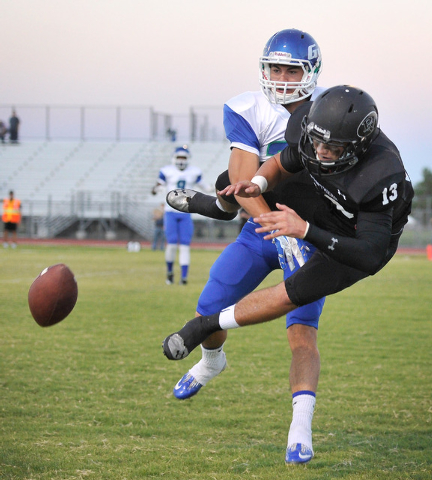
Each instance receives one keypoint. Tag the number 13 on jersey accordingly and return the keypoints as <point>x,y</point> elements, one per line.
<point>389,194</point>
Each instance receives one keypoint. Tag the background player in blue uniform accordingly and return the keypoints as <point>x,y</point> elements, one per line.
<point>178,225</point>
<point>363,202</point>
<point>255,123</point>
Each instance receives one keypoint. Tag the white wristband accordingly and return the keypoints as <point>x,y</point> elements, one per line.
<point>261,182</point>
<point>307,229</point>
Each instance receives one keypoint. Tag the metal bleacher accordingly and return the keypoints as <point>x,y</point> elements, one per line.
<point>59,182</point>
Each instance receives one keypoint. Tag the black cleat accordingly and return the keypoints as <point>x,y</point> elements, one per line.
<point>190,201</point>
<point>180,199</point>
<point>174,347</point>
<point>178,345</point>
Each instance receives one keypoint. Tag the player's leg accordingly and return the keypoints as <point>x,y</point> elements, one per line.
<point>304,375</point>
<point>318,277</point>
<point>157,238</point>
<point>170,222</point>
<point>14,234</point>
<point>6,229</point>
<point>240,269</point>
<point>217,207</point>
<point>160,239</point>
<point>302,325</point>
<point>302,330</point>
<point>258,307</point>
<point>184,260</point>
<point>212,363</point>
<point>186,229</point>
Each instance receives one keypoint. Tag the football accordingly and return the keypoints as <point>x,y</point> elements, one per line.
<point>53,295</point>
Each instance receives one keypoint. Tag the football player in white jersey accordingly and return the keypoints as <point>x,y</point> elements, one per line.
<point>178,225</point>
<point>255,123</point>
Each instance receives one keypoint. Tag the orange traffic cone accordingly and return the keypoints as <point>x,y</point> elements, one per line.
<point>429,252</point>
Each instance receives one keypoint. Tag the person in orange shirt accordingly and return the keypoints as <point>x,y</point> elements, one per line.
<point>11,219</point>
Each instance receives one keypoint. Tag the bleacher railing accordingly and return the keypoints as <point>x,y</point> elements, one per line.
<point>115,217</point>
<point>117,123</point>
<point>110,216</point>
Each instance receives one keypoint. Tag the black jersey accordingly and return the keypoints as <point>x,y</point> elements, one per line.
<point>378,182</point>
<point>369,202</point>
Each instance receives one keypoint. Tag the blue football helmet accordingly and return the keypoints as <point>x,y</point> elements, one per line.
<point>181,157</point>
<point>290,47</point>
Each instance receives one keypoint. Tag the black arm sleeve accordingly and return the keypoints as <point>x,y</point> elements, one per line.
<point>290,160</point>
<point>366,251</point>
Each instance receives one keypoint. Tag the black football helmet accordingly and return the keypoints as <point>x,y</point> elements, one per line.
<point>341,116</point>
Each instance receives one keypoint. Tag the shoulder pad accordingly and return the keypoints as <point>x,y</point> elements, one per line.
<point>293,130</point>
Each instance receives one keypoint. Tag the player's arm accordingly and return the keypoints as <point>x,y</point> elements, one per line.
<point>268,176</point>
<point>279,167</point>
<point>243,166</point>
<point>241,130</point>
<point>365,252</point>
<point>154,190</point>
<point>160,183</point>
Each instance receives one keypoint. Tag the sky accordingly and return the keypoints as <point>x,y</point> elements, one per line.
<point>174,54</point>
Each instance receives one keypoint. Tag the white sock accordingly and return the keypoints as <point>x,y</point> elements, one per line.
<point>227,319</point>
<point>301,425</point>
<point>170,252</point>
<point>212,363</point>
<point>184,255</point>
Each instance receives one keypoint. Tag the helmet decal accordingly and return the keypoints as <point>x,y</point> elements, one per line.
<point>325,134</point>
<point>284,55</point>
<point>313,51</point>
<point>367,125</point>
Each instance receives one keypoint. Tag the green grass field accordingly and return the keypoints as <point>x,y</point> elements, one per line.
<point>91,397</point>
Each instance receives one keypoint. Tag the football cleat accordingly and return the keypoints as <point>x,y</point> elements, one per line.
<point>298,453</point>
<point>169,279</point>
<point>190,201</point>
<point>179,345</point>
<point>186,387</point>
<point>180,199</point>
<point>183,281</point>
<point>174,347</point>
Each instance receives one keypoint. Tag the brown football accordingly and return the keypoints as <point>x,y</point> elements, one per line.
<point>53,295</point>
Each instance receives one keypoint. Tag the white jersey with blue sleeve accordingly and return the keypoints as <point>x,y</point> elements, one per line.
<point>171,177</point>
<point>255,125</point>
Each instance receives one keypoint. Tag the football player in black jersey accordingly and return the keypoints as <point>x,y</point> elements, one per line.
<point>362,204</point>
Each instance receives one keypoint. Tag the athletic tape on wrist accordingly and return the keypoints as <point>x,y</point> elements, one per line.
<point>261,182</point>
